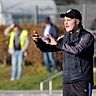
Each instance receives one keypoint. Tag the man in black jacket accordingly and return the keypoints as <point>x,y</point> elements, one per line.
<point>77,44</point>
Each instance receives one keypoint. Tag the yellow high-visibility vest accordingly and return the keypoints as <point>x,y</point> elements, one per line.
<point>23,37</point>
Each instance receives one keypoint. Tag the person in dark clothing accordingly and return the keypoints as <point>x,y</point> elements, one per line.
<point>77,45</point>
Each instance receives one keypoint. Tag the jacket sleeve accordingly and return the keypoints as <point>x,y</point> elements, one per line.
<point>83,44</point>
<point>45,47</point>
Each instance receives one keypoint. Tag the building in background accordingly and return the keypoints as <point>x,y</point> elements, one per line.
<point>4,18</point>
<point>27,11</point>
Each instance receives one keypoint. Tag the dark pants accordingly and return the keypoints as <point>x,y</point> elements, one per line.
<point>81,88</point>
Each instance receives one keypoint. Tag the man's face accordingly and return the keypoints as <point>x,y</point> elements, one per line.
<point>70,24</point>
<point>16,29</point>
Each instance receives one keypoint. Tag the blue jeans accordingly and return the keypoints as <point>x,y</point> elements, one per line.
<point>17,64</point>
<point>49,60</point>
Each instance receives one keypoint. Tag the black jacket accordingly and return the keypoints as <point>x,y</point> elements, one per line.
<point>78,49</point>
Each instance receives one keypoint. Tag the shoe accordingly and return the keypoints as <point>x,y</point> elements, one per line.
<point>12,79</point>
<point>17,78</point>
<point>56,71</point>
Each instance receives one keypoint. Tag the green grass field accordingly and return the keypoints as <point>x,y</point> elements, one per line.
<point>31,78</point>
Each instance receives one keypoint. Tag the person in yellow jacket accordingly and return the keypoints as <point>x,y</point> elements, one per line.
<point>18,44</point>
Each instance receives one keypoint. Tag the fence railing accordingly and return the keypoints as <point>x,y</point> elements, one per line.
<point>50,82</point>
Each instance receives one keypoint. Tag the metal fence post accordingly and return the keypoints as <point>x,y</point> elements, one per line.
<point>41,86</point>
<point>50,87</point>
<point>35,14</point>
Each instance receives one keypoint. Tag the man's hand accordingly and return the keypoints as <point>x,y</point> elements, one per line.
<point>52,40</point>
<point>35,36</point>
<point>12,25</point>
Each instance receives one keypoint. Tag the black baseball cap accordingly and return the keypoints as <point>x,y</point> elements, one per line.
<point>72,13</point>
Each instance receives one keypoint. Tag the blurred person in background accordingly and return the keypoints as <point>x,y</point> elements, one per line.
<point>93,26</point>
<point>49,58</point>
<point>77,45</point>
<point>18,44</point>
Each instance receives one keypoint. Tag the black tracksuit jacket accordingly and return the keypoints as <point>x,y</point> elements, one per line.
<point>78,50</point>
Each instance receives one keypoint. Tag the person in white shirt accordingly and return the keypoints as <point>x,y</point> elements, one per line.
<point>49,59</point>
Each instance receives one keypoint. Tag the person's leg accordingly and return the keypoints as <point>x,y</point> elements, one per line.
<point>66,90</point>
<point>81,88</point>
<point>20,64</point>
<point>52,60</point>
<point>46,61</point>
<point>14,63</point>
